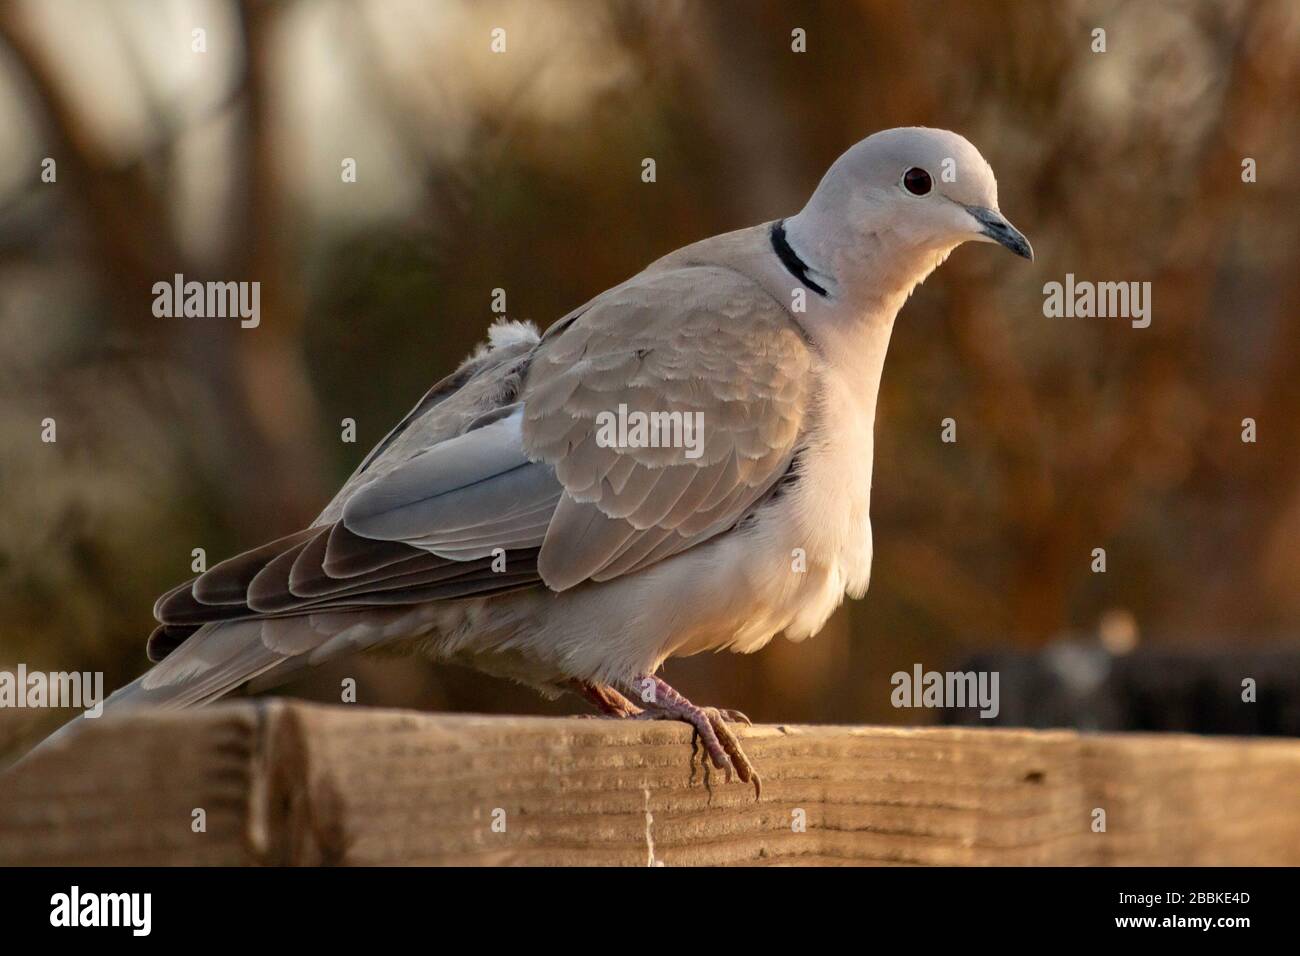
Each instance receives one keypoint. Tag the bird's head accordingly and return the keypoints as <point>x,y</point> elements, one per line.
<point>903,195</point>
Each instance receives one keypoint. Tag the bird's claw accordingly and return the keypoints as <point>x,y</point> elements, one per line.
<point>710,725</point>
<point>724,748</point>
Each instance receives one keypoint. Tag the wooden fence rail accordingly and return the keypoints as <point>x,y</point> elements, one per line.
<point>276,782</point>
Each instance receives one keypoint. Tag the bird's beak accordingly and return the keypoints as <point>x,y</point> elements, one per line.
<point>995,228</point>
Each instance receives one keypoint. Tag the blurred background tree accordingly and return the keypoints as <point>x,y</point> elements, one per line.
<point>520,170</point>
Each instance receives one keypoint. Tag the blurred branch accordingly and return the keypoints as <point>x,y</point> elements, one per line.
<point>256,379</point>
<point>132,233</point>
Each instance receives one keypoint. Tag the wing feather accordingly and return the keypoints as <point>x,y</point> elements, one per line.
<point>702,345</point>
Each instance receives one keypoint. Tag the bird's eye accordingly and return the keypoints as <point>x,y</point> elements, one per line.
<point>917,181</point>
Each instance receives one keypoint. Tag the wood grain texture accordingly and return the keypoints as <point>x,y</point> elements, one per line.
<point>292,783</point>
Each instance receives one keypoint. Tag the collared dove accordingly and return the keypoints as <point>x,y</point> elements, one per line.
<point>502,525</point>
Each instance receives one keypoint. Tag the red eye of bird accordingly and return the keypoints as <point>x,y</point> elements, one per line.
<point>917,181</point>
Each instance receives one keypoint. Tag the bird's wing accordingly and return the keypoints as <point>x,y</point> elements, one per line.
<point>697,344</point>
<point>484,383</point>
<point>702,350</point>
<point>327,567</point>
<point>513,465</point>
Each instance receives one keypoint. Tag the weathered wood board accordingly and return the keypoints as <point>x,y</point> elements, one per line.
<point>289,783</point>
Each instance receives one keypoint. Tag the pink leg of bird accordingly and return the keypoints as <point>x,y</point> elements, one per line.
<point>605,699</point>
<point>710,725</point>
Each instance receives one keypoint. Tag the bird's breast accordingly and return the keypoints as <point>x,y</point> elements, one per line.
<point>831,511</point>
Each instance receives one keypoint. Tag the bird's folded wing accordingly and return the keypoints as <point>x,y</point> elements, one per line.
<point>463,498</point>
<point>328,568</point>
<point>709,368</point>
<point>714,372</point>
<point>706,362</point>
<point>543,488</point>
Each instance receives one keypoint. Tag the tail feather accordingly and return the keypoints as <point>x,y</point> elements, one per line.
<point>221,657</point>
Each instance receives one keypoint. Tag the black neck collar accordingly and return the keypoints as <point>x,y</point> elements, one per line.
<point>790,259</point>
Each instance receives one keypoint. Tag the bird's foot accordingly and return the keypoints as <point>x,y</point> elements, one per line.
<point>710,726</point>
<point>605,699</point>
